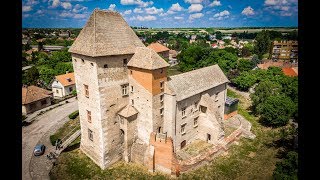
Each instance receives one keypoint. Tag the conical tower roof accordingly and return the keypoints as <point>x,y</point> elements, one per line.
<point>106,33</point>
<point>147,58</point>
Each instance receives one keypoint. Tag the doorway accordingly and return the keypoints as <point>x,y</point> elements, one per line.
<point>208,137</point>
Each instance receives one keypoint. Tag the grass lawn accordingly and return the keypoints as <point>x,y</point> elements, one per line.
<point>65,129</point>
<point>250,159</point>
<point>173,70</point>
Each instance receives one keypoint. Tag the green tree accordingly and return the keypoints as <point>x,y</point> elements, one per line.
<point>262,91</point>
<point>190,58</point>
<point>245,65</point>
<point>245,80</point>
<point>62,67</point>
<point>276,110</point>
<point>31,76</point>
<point>47,74</point>
<point>219,35</point>
<point>226,60</point>
<point>262,43</point>
<point>287,168</point>
<point>245,52</point>
<point>255,59</point>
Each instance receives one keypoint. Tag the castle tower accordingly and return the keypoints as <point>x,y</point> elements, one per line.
<point>100,55</point>
<point>147,75</point>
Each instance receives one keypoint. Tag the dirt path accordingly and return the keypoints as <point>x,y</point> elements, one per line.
<point>34,132</point>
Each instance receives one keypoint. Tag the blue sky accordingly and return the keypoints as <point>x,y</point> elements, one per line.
<point>163,13</point>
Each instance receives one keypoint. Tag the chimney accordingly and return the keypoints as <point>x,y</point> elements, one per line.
<point>67,72</point>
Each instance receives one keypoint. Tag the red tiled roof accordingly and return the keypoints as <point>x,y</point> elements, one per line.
<point>157,47</point>
<point>33,93</point>
<point>289,72</point>
<point>63,79</point>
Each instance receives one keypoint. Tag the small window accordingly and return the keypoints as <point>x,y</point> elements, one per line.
<point>161,111</point>
<point>91,64</point>
<point>161,84</point>
<point>57,91</point>
<point>82,60</point>
<point>125,90</point>
<point>195,122</point>
<point>89,116</point>
<point>105,66</point>
<point>161,70</point>
<point>131,89</point>
<point>208,137</point>
<point>125,62</point>
<point>43,102</point>
<point>75,60</point>
<point>132,102</point>
<point>69,79</point>
<point>183,111</point>
<point>32,105</point>
<point>130,71</point>
<point>70,89</point>
<point>183,128</point>
<point>216,97</point>
<point>90,134</point>
<point>86,90</point>
<point>161,98</point>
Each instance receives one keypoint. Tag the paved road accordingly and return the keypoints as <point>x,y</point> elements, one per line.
<point>40,127</point>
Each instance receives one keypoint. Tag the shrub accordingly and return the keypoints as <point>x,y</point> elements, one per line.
<point>74,114</point>
<point>288,168</point>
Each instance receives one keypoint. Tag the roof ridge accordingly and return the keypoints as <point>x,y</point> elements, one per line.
<point>193,71</point>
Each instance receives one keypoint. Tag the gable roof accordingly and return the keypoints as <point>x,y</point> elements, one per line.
<point>106,33</point>
<point>146,58</point>
<point>63,79</point>
<point>289,72</point>
<point>157,47</point>
<point>128,111</point>
<point>33,93</point>
<point>196,81</point>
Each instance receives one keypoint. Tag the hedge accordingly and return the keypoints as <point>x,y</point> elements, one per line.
<point>74,114</point>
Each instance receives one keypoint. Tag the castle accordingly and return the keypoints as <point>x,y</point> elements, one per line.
<point>129,108</point>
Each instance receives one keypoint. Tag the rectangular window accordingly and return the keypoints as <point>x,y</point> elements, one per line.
<point>130,71</point>
<point>183,111</point>
<point>125,90</point>
<point>132,102</point>
<point>195,122</point>
<point>131,89</point>
<point>208,137</point>
<point>161,111</point>
<point>125,62</point>
<point>161,84</point>
<point>105,66</point>
<point>86,90</point>
<point>57,91</point>
<point>89,116</point>
<point>161,98</point>
<point>70,89</point>
<point>90,134</point>
<point>183,128</point>
<point>43,102</point>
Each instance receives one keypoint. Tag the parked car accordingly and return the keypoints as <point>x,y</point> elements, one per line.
<point>39,149</point>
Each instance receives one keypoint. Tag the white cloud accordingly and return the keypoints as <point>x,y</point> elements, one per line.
<point>55,3</point>
<point>163,14</point>
<point>136,2</point>
<point>31,2</point>
<point>178,17</point>
<point>248,11</point>
<point>66,5</point>
<point>176,7</point>
<point>111,7</point>
<point>144,18</point>
<point>222,14</point>
<point>25,15</point>
<point>128,12</point>
<point>80,16</point>
<point>195,16</point>
<point>79,8</point>
<point>195,8</point>
<point>153,10</point>
<point>66,14</point>
<point>192,1</point>
<point>137,10</point>
<point>281,7</point>
<point>229,6</point>
<point>215,3</point>
<point>40,12</point>
<point>26,8</point>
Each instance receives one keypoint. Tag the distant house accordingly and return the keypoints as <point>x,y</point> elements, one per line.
<point>34,98</point>
<point>63,85</point>
<point>290,71</point>
<point>214,45</point>
<point>160,49</point>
